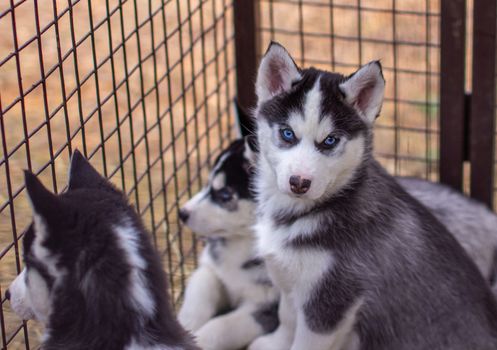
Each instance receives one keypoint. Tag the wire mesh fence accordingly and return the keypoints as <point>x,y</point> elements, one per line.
<point>341,35</point>
<point>143,88</point>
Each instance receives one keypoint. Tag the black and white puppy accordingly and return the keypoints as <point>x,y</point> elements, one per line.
<point>230,275</point>
<point>228,260</point>
<point>353,254</point>
<point>91,275</point>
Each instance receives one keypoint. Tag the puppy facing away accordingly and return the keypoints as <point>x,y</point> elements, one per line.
<point>91,275</point>
<point>352,253</point>
<point>230,275</point>
<point>229,239</point>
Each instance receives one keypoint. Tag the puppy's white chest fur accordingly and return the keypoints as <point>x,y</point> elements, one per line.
<point>295,270</point>
<point>250,284</point>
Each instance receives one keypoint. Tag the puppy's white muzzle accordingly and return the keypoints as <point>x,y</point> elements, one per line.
<point>19,299</point>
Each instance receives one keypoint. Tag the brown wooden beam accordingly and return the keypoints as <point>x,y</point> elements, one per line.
<point>453,29</point>
<point>483,101</point>
<point>245,18</point>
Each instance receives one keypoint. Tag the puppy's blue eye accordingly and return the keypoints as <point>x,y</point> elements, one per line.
<point>225,194</point>
<point>330,141</point>
<point>287,135</point>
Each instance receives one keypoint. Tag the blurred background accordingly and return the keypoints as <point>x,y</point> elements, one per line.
<point>145,89</point>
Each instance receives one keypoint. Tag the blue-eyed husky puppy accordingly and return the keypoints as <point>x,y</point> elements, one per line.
<point>230,275</point>
<point>91,275</point>
<point>228,260</point>
<point>353,254</point>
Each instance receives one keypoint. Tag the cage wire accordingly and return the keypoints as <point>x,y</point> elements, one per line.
<point>341,35</point>
<point>144,89</point>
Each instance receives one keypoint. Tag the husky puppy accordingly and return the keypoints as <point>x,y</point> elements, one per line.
<point>353,254</point>
<point>230,275</point>
<point>470,222</point>
<point>91,275</point>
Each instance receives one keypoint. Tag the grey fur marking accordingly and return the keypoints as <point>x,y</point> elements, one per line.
<point>215,246</point>
<point>267,317</point>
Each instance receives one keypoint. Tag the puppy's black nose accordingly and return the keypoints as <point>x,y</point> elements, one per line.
<point>298,185</point>
<point>7,294</point>
<point>183,215</point>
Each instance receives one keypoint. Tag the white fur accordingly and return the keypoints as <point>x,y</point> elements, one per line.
<point>294,271</point>
<point>207,219</point>
<point>129,242</point>
<point>40,252</point>
<point>282,260</point>
<point>204,295</point>
<point>38,296</point>
<point>218,181</point>
<point>238,284</point>
<point>233,330</point>
<point>19,297</point>
<point>34,302</point>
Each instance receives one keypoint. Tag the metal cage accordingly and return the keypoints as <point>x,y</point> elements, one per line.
<point>145,90</point>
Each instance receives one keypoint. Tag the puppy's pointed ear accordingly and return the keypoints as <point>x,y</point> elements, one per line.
<point>364,90</point>
<point>244,120</point>
<point>276,73</point>
<point>83,175</point>
<point>251,149</point>
<point>44,203</point>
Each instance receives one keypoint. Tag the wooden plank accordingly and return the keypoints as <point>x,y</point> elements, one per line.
<point>483,101</point>
<point>453,29</point>
<point>245,21</point>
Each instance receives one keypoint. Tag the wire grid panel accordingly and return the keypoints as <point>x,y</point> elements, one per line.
<point>341,35</point>
<point>143,88</point>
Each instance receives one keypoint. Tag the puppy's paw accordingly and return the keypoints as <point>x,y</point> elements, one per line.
<point>208,339</point>
<point>189,321</point>
<point>273,341</point>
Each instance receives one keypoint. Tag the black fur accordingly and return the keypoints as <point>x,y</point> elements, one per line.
<point>250,264</point>
<point>245,121</point>
<point>493,271</point>
<point>90,301</point>
<point>236,168</point>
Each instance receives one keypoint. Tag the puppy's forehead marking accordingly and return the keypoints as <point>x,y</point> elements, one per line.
<point>220,162</point>
<point>312,104</point>
<point>218,181</point>
<point>309,121</point>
